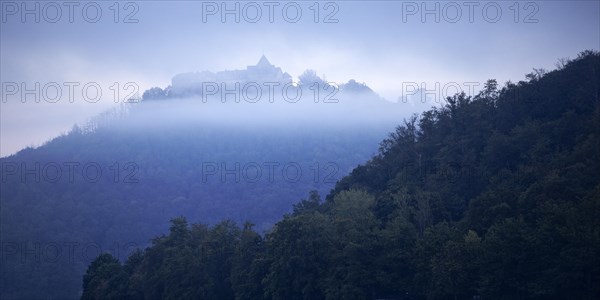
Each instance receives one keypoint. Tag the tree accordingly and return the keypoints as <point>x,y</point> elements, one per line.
<point>103,278</point>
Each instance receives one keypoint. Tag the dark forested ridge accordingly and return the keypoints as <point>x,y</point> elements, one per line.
<point>495,196</point>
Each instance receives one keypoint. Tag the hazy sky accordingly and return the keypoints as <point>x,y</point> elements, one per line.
<point>381,43</point>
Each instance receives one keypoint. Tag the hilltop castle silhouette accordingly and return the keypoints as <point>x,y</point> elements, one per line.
<point>263,71</point>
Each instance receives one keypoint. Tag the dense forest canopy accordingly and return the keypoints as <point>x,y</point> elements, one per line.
<point>494,196</point>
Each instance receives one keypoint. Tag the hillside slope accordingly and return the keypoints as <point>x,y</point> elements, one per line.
<point>496,195</point>
<point>113,184</point>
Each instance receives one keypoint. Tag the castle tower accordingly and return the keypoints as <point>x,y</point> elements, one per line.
<point>264,63</point>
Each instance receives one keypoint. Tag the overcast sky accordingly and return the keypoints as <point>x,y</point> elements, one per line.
<point>380,43</point>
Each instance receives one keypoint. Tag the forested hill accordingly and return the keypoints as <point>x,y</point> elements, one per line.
<point>115,182</point>
<point>497,195</point>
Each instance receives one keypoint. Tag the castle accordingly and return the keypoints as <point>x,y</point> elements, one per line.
<point>262,72</point>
